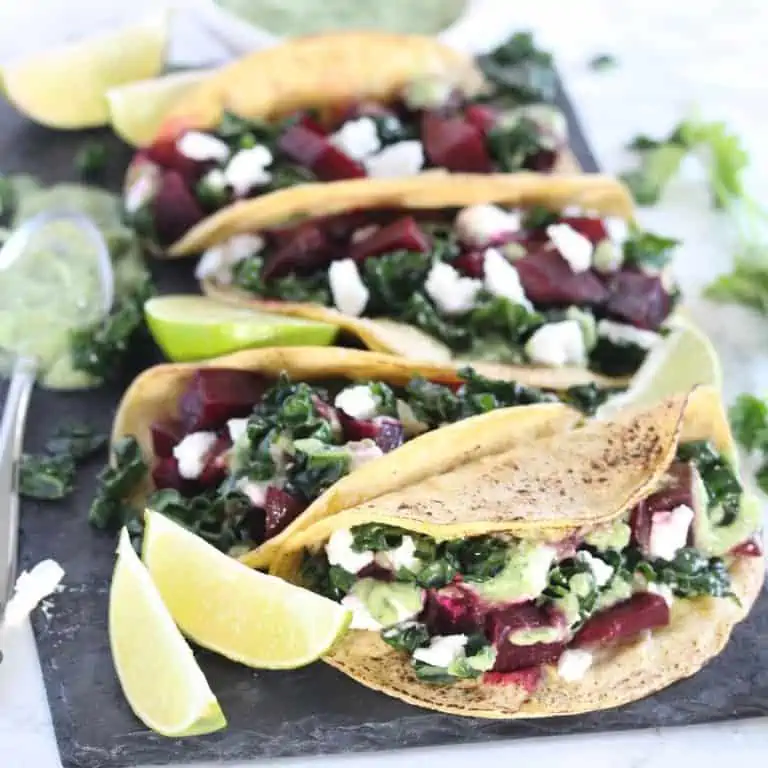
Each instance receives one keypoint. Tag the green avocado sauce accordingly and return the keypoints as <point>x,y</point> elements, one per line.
<point>386,601</point>
<point>613,536</point>
<point>304,17</point>
<point>524,575</point>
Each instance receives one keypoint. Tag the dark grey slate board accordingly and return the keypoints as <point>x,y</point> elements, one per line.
<point>311,711</point>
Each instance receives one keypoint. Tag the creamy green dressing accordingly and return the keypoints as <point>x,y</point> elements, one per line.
<point>523,576</point>
<point>535,635</point>
<point>616,536</point>
<point>303,17</point>
<point>388,602</point>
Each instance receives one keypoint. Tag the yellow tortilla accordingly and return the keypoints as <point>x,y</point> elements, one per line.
<point>155,395</point>
<point>552,487</point>
<point>322,71</point>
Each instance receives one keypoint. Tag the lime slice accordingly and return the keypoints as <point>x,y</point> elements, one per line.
<point>223,605</point>
<point>137,110</point>
<point>684,359</point>
<point>160,677</point>
<point>195,328</point>
<point>66,87</point>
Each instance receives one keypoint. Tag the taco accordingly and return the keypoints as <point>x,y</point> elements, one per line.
<point>325,108</point>
<point>498,270</point>
<point>248,448</point>
<point>573,573</point>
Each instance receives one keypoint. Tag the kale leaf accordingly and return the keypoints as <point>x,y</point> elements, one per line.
<point>330,581</point>
<point>392,278</point>
<point>407,636</point>
<point>498,315</point>
<point>612,359</point>
<point>511,147</point>
<point>46,477</point>
<point>422,313</point>
<point>587,398</point>
<point>749,421</point>
<point>539,217</point>
<point>91,161</point>
<point>76,440</point>
<point>376,537</point>
<point>644,249</point>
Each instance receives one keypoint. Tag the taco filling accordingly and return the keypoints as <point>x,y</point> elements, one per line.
<point>499,608</point>
<point>248,454</point>
<point>504,285</point>
<point>186,175</point>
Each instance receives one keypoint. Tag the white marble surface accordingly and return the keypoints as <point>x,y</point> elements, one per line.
<point>673,57</point>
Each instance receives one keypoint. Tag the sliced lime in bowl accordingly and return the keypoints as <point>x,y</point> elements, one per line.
<point>189,328</point>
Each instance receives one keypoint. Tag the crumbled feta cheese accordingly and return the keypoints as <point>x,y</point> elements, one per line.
<point>453,293</point>
<point>573,212</point>
<point>669,532</point>
<point>600,569</point>
<point>202,147</point>
<point>411,425</point>
<point>406,158</point>
<point>502,279</point>
<point>236,428</point>
<point>661,589</point>
<point>339,551</point>
<point>349,292</point>
<point>248,168</point>
<point>572,246</point>
<point>361,616</point>
<point>256,492</point>
<point>620,333</point>
<point>443,650</point>
<point>573,664</point>
<point>217,262</point>
<point>358,402</point>
<point>190,453</point>
<point>403,556</point>
<point>357,138</point>
<point>31,588</point>
<point>142,189</point>
<point>362,452</point>
<point>479,225</point>
<point>617,229</point>
<point>557,344</point>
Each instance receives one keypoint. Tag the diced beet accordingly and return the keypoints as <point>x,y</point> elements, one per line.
<point>280,509</point>
<point>547,278</point>
<point>375,571</point>
<point>455,144</point>
<point>385,431</point>
<point>510,657</point>
<point>749,548</point>
<point>165,152</point>
<point>527,678</point>
<point>306,250</point>
<point>214,395</point>
<point>312,124</point>
<point>215,465</point>
<point>482,116</point>
<point>165,436</point>
<point>642,611</point>
<point>256,521</point>
<point>401,235</point>
<point>328,412</point>
<point>470,263</point>
<point>165,474</point>
<point>542,161</point>
<point>315,152</point>
<point>453,610</point>
<point>174,208</point>
<point>593,229</point>
<point>638,299</point>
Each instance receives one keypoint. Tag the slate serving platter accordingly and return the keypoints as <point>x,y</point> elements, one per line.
<point>311,711</point>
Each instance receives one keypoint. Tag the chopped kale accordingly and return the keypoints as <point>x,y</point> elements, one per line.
<point>46,477</point>
<point>422,313</point>
<point>644,249</point>
<point>498,315</point>
<point>211,196</point>
<point>612,359</point>
<point>749,421</point>
<point>392,278</point>
<point>511,147</point>
<point>407,636</point>
<point>587,398</point>
<point>76,440</point>
<point>329,580</point>
<point>391,129</point>
<point>539,217</point>
<point>313,471</point>
<point>478,657</point>
<point>481,394</point>
<point>376,537</point>
<point>478,558</point>
<point>286,174</point>
<point>91,161</point>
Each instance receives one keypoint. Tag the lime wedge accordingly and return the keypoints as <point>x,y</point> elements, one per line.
<point>137,110</point>
<point>190,328</point>
<point>157,670</point>
<point>223,605</point>
<point>66,86</point>
<point>684,359</point>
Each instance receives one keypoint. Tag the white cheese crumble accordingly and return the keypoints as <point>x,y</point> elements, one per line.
<point>600,569</point>
<point>481,224</point>
<point>573,664</point>
<point>572,246</point>
<point>362,452</point>
<point>617,229</point>
<point>256,492</point>
<point>661,589</point>
<point>453,293</point>
<point>403,556</point>
<point>406,158</point>
<point>142,189</point>
<point>339,551</point>
<point>349,292</point>
<point>202,147</point>
<point>557,344</point>
<point>217,262</point>
<point>357,139</point>
<point>443,650</point>
<point>31,588</point>
<point>669,532</point>
<point>411,425</point>
<point>502,279</point>
<point>361,616</point>
<point>248,168</point>
<point>190,453</point>
<point>620,333</point>
<point>236,428</point>
<point>358,402</point>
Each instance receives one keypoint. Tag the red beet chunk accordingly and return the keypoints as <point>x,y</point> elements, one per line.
<point>547,278</point>
<point>174,208</point>
<point>165,436</point>
<point>401,235</point>
<point>481,116</point>
<point>328,412</point>
<point>375,571</point>
<point>593,229</point>
<point>385,431</point>
<point>311,124</point>
<point>214,395</point>
<point>749,548</point>
<point>511,657</point>
<point>307,249</point>
<point>280,509</point>
<point>165,474</point>
<point>637,299</point>
<point>164,152</point>
<point>642,611</point>
<point>455,144</point>
<point>527,678</point>
<point>453,610</point>
<point>542,161</point>
<point>315,152</point>
<point>215,467</point>
<point>470,263</point>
